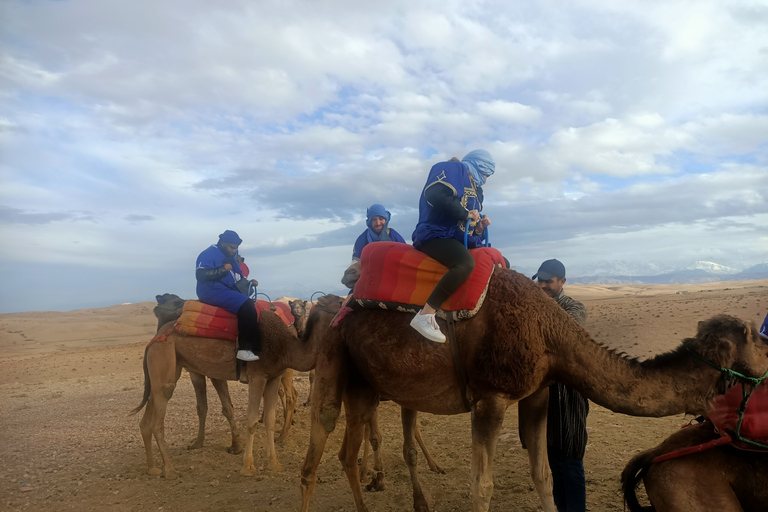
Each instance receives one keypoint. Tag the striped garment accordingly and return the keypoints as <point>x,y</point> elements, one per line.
<point>206,321</point>
<point>568,409</point>
<point>398,273</point>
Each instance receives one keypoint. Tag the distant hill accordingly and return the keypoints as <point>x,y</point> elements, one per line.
<point>688,276</point>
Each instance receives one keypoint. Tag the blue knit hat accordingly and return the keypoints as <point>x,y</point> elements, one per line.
<point>230,237</point>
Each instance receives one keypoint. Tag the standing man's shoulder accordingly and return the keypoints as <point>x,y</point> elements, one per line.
<point>573,307</point>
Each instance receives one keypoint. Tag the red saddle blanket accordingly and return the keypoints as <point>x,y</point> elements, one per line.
<point>206,321</point>
<point>397,273</point>
<point>755,424</point>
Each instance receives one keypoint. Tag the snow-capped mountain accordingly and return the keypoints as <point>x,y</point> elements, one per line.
<point>713,268</point>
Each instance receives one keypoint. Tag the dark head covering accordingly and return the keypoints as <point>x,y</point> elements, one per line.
<point>230,237</point>
<point>550,269</point>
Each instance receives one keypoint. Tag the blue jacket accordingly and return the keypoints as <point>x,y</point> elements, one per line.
<point>362,241</point>
<point>435,223</point>
<point>221,293</point>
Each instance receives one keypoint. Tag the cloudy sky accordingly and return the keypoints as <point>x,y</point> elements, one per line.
<point>133,133</point>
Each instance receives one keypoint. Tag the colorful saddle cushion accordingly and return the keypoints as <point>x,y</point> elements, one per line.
<point>396,274</point>
<point>206,321</point>
<point>755,424</point>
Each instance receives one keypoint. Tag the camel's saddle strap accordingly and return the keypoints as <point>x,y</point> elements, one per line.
<point>458,365</point>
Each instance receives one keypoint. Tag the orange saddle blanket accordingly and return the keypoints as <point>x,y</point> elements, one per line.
<point>397,273</point>
<point>755,424</point>
<point>206,321</point>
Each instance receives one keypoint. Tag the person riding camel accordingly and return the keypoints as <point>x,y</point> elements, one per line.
<point>378,230</point>
<point>221,282</point>
<point>452,195</point>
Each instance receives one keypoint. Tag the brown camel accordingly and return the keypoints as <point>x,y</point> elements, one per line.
<point>319,322</point>
<point>168,309</point>
<point>721,479</point>
<point>518,343</point>
<point>164,359</point>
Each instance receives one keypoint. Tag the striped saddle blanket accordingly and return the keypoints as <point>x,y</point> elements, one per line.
<point>206,321</point>
<point>724,413</point>
<point>397,276</point>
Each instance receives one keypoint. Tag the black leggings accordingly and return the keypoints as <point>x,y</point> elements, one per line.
<point>451,253</point>
<point>249,337</point>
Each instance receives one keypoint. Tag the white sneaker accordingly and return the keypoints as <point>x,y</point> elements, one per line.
<point>247,355</point>
<point>427,327</point>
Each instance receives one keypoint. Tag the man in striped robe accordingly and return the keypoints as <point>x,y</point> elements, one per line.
<point>568,409</point>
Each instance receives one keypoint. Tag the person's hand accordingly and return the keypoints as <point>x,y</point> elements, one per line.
<point>473,214</point>
<point>254,282</point>
<point>227,267</point>
<point>484,222</point>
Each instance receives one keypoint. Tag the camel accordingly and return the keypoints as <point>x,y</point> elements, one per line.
<point>164,359</point>
<point>519,342</point>
<point>721,479</point>
<point>168,309</point>
<point>318,323</point>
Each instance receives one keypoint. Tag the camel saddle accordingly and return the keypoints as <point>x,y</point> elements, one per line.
<point>725,415</point>
<point>396,276</point>
<point>206,321</point>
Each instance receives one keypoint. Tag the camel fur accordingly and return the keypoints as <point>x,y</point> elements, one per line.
<point>518,343</point>
<point>720,479</point>
<point>165,357</point>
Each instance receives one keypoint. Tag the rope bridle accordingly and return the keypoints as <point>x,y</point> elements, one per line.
<point>745,396</point>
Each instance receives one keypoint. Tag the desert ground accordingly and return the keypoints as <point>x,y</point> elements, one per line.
<point>69,379</point>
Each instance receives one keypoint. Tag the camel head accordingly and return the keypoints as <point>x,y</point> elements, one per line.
<point>351,275</point>
<point>320,317</point>
<point>168,308</point>
<point>731,343</point>
<point>300,312</point>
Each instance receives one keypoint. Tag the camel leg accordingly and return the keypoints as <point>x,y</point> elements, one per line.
<point>289,398</point>
<point>532,421</point>
<point>228,410</point>
<point>410,420</point>
<point>374,436</point>
<point>487,419</point>
<point>311,385</point>
<point>146,435</point>
<point>256,384</point>
<point>359,406</point>
<point>364,471</point>
<point>325,399</point>
<point>270,407</point>
<point>163,373</point>
<point>198,382</point>
<point>430,461</point>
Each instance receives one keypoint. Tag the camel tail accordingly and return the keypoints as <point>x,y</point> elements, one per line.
<point>147,385</point>
<point>631,477</point>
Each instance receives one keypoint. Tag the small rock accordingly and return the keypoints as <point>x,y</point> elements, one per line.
<point>26,488</point>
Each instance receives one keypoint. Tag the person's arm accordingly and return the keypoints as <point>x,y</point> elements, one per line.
<point>205,275</point>
<point>577,310</point>
<point>442,198</point>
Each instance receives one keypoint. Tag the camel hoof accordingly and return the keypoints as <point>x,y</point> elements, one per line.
<point>376,485</point>
<point>194,445</point>
<point>248,471</point>
<point>171,475</point>
<point>275,466</point>
<point>235,449</point>
<point>437,469</point>
<point>421,507</point>
<point>280,440</point>
<point>154,471</point>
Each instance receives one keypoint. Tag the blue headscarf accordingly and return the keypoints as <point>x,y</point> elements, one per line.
<point>480,164</point>
<point>377,210</point>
